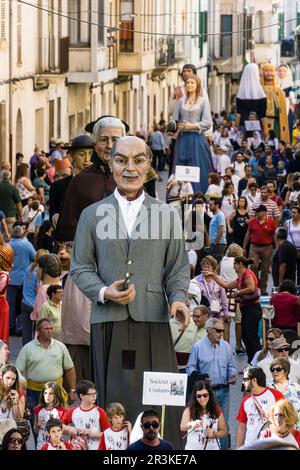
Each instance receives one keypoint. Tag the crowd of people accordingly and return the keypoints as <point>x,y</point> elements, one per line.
<point>98,298</point>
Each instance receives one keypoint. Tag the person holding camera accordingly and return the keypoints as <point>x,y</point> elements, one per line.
<point>203,419</point>
<point>12,398</point>
<point>213,356</point>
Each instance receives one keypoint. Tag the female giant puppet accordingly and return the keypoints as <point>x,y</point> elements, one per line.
<point>285,81</point>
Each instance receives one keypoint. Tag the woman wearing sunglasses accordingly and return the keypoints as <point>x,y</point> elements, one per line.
<point>280,369</point>
<point>283,419</point>
<point>13,440</point>
<point>203,420</point>
<point>265,353</point>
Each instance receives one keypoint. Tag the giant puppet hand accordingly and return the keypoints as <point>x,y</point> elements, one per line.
<point>115,293</point>
<point>182,314</point>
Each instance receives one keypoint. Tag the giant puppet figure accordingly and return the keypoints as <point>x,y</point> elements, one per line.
<point>285,81</point>
<point>276,117</point>
<point>130,330</point>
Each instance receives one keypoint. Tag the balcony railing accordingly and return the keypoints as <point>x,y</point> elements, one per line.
<point>165,51</point>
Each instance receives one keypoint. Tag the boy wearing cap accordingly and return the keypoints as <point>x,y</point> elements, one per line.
<point>223,160</point>
<point>261,232</point>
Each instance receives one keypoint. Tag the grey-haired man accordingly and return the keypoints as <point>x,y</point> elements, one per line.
<point>93,183</point>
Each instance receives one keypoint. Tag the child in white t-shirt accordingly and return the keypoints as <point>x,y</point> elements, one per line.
<point>116,437</point>
<point>86,419</point>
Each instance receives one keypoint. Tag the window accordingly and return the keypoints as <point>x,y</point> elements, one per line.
<point>51,119</point>
<point>101,21</point>
<point>226,37</point>
<point>127,26</point>
<point>79,28</point>
<point>59,116</point>
<point>280,26</point>
<point>202,31</point>
<point>19,34</point>
<point>2,19</point>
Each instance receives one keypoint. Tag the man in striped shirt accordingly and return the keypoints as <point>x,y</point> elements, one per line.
<point>272,208</point>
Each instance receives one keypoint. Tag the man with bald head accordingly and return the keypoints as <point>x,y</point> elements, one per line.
<point>130,233</point>
<point>94,182</point>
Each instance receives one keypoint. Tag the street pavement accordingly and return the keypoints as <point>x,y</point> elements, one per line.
<point>241,359</point>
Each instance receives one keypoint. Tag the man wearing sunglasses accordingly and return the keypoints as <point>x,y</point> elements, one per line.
<point>214,357</point>
<point>280,348</point>
<point>254,408</point>
<point>150,424</point>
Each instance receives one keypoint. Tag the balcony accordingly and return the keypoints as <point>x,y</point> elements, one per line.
<point>165,52</point>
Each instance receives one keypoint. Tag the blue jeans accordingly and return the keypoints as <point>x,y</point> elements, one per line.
<point>14,298</point>
<point>223,398</point>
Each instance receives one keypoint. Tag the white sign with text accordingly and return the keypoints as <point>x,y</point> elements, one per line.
<point>187,173</point>
<point>162,388</point>
<point>252,126</point>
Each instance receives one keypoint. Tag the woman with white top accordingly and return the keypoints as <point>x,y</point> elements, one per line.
<point>214,188</point>
<point>272,333</point>
<point>228,200</point>
<point>228,273</point>
<point>293,228</point>
<point>203,420</point>
<point>23,183</point>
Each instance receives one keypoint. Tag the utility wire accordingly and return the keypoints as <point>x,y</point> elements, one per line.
<point>116,28</point>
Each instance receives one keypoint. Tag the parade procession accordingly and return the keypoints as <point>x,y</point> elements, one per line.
<point>149,228</point>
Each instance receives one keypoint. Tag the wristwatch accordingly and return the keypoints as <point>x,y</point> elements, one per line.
<point>73,390</point>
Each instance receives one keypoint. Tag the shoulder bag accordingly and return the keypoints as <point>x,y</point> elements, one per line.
<point>247,298</point>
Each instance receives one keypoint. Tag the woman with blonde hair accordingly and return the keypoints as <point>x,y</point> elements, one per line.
<point>272,333</point>
<point>193,116</point>
<point>227,272</point>
<point>30,286</point>
<point>283,418</point>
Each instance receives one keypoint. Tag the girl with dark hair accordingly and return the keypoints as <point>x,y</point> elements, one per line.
<point>238,220</point>
<point>23,183</point>
<point>248,298</point>
<point>52,405</point>
<point>45,240</point>
<point>203,419</point>
<point>13,440</point>
<point>12,398</point>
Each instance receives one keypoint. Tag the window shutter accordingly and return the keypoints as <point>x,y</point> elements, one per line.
<point>19,34</point>
<point>2,20</point>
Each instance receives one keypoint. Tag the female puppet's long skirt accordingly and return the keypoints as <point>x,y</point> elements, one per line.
<point>120,353</point>
<point>192,149</point>
<point>4,319</point>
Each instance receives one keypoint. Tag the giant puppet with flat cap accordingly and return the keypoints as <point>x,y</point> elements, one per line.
<point>80,153</point>
<point>94,182</point>
<point>276,116</point>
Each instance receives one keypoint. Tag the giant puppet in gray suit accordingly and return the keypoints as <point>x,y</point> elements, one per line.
<point>130,232</point>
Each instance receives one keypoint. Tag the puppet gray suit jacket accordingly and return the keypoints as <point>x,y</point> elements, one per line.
<point>155,254</point>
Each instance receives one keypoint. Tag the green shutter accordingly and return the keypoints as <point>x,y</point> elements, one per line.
<point>205,26</point>
<point>201,34</point>
<point>298,18</point>
<point>280,26</point>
